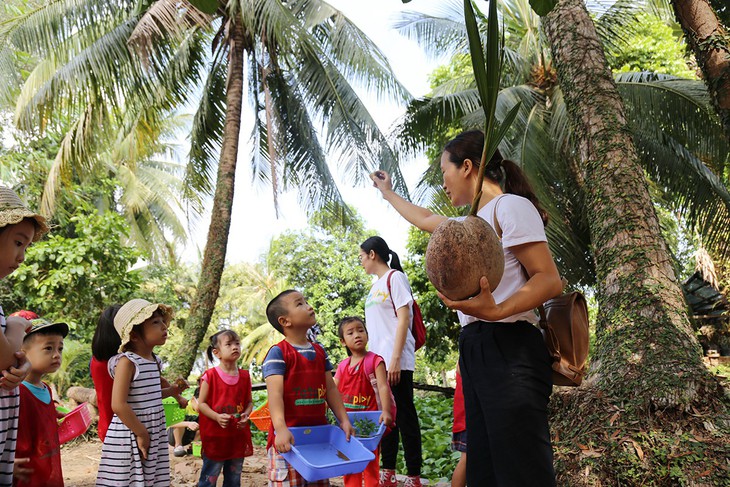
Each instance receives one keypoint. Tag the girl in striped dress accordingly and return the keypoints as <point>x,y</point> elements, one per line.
<point>135,448</point>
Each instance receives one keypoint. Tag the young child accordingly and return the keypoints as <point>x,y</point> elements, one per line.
<point>135,448</point>
<point>38,452</point>
<point>182,434</point>
<point>224,404</point>
<point>354,379</point>
<point>299,384</point>
<point>19,226</point>
<point>458,433</point>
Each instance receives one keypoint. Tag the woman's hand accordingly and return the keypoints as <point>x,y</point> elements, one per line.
<point>481,306</point>
<point>382,181</point>
<point>394,372</point>
<point>143,443</point>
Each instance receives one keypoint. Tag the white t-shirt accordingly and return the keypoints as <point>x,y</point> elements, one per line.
<point>382,322</point>
<point>520,223</point>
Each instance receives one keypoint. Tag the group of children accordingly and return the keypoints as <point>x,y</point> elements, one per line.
<point>130,387</point>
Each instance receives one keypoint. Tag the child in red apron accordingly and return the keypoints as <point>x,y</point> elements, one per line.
<point>224,404</point>
<point>299,384</point>
<point>363,384</point>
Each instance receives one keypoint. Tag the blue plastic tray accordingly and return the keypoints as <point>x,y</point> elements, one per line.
<point>369,442</point>
<point>322,452</point>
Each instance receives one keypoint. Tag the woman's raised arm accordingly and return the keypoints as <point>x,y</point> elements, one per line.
<point>421,217</point>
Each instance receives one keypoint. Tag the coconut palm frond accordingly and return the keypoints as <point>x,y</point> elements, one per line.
<point>358,58</point>
<point>170,19</point>
<point>207,132</point>
<point>439,34</point>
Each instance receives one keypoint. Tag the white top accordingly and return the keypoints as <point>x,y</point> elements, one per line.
<point>382,322</point>
<point>520,223</point>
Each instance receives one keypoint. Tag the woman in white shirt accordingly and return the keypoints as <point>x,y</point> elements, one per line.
<point>505,366</point>
<point>389,317</point>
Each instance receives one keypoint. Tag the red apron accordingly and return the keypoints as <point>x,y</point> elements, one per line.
<point>355,387</point>
<point>305,389</point>
<point>38,440</point>
<point>221,444</point>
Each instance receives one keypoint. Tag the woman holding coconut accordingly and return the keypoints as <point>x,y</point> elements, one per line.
<point>506,370</point>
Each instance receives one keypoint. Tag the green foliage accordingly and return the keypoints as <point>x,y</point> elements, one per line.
<point>73,274</point>
<point>652,47</point>
<point>322,263</point>
<point>435,413</point>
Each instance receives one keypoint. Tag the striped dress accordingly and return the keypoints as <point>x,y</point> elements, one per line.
<point>9,404</point>
<point>121,463</point>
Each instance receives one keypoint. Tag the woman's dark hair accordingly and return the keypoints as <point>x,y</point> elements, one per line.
<point>215,339</point>
<point>470,144</point>
<point>378,245</point>
<point>344,321</point>
<point>106,341</point>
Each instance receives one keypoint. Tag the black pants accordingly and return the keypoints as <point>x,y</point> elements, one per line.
<point>407,427</point>
<point>507,381</point>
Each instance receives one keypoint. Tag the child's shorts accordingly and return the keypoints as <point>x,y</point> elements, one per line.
<point>283,475</point>
<point>458,441</point>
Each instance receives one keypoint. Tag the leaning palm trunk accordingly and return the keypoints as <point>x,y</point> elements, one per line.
<point>643,329</point>
<point>711,46</point>
<point>214,256</point>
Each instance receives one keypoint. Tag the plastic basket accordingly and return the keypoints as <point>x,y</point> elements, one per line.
<point>197,447</point>
<point>173,412</point>
<point>371,441</point>
<point>322,452</point>
<point>74,424</point>
<point>261,417</point>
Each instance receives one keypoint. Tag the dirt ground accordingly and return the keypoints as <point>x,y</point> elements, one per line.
<point>80,461</point>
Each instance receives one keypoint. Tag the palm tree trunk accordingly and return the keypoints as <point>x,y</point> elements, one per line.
<point>708,39</point>
<point>643,329</point>
<point>214,256</point>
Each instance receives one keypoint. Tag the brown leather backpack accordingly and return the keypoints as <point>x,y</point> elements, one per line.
<point>564,321</point>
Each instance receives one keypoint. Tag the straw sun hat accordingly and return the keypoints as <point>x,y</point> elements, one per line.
<point>135,312</point>
<point>12,211</point>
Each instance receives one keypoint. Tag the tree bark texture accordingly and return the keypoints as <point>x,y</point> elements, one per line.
<point>214,256</point>
<point>710,43</point>
<point>645,348</point>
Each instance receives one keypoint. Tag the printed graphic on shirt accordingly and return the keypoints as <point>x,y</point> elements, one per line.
<point>376,297</point>
<point>356,401</point>
<point>308,396</point>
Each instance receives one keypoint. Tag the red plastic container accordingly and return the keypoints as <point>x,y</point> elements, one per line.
<point>74,424</point>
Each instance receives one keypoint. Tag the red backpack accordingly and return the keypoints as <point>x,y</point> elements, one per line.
<point>418,330</point>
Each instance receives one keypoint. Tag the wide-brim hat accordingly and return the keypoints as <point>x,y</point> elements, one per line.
<point>39,324</point>
<point>13,210</point>
<point>135,312</point>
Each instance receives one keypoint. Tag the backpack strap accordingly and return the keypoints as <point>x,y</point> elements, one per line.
<point>497,227</point>
<point>368,363</point>
<point>390,293</point>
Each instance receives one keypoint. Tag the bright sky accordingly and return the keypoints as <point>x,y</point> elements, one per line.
<point>254,222</point>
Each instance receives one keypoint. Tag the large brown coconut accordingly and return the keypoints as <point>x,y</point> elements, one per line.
<point>459,253</point>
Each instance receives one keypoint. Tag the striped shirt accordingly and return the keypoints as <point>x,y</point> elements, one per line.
<point>9,405</point>
<point>121,463</point>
